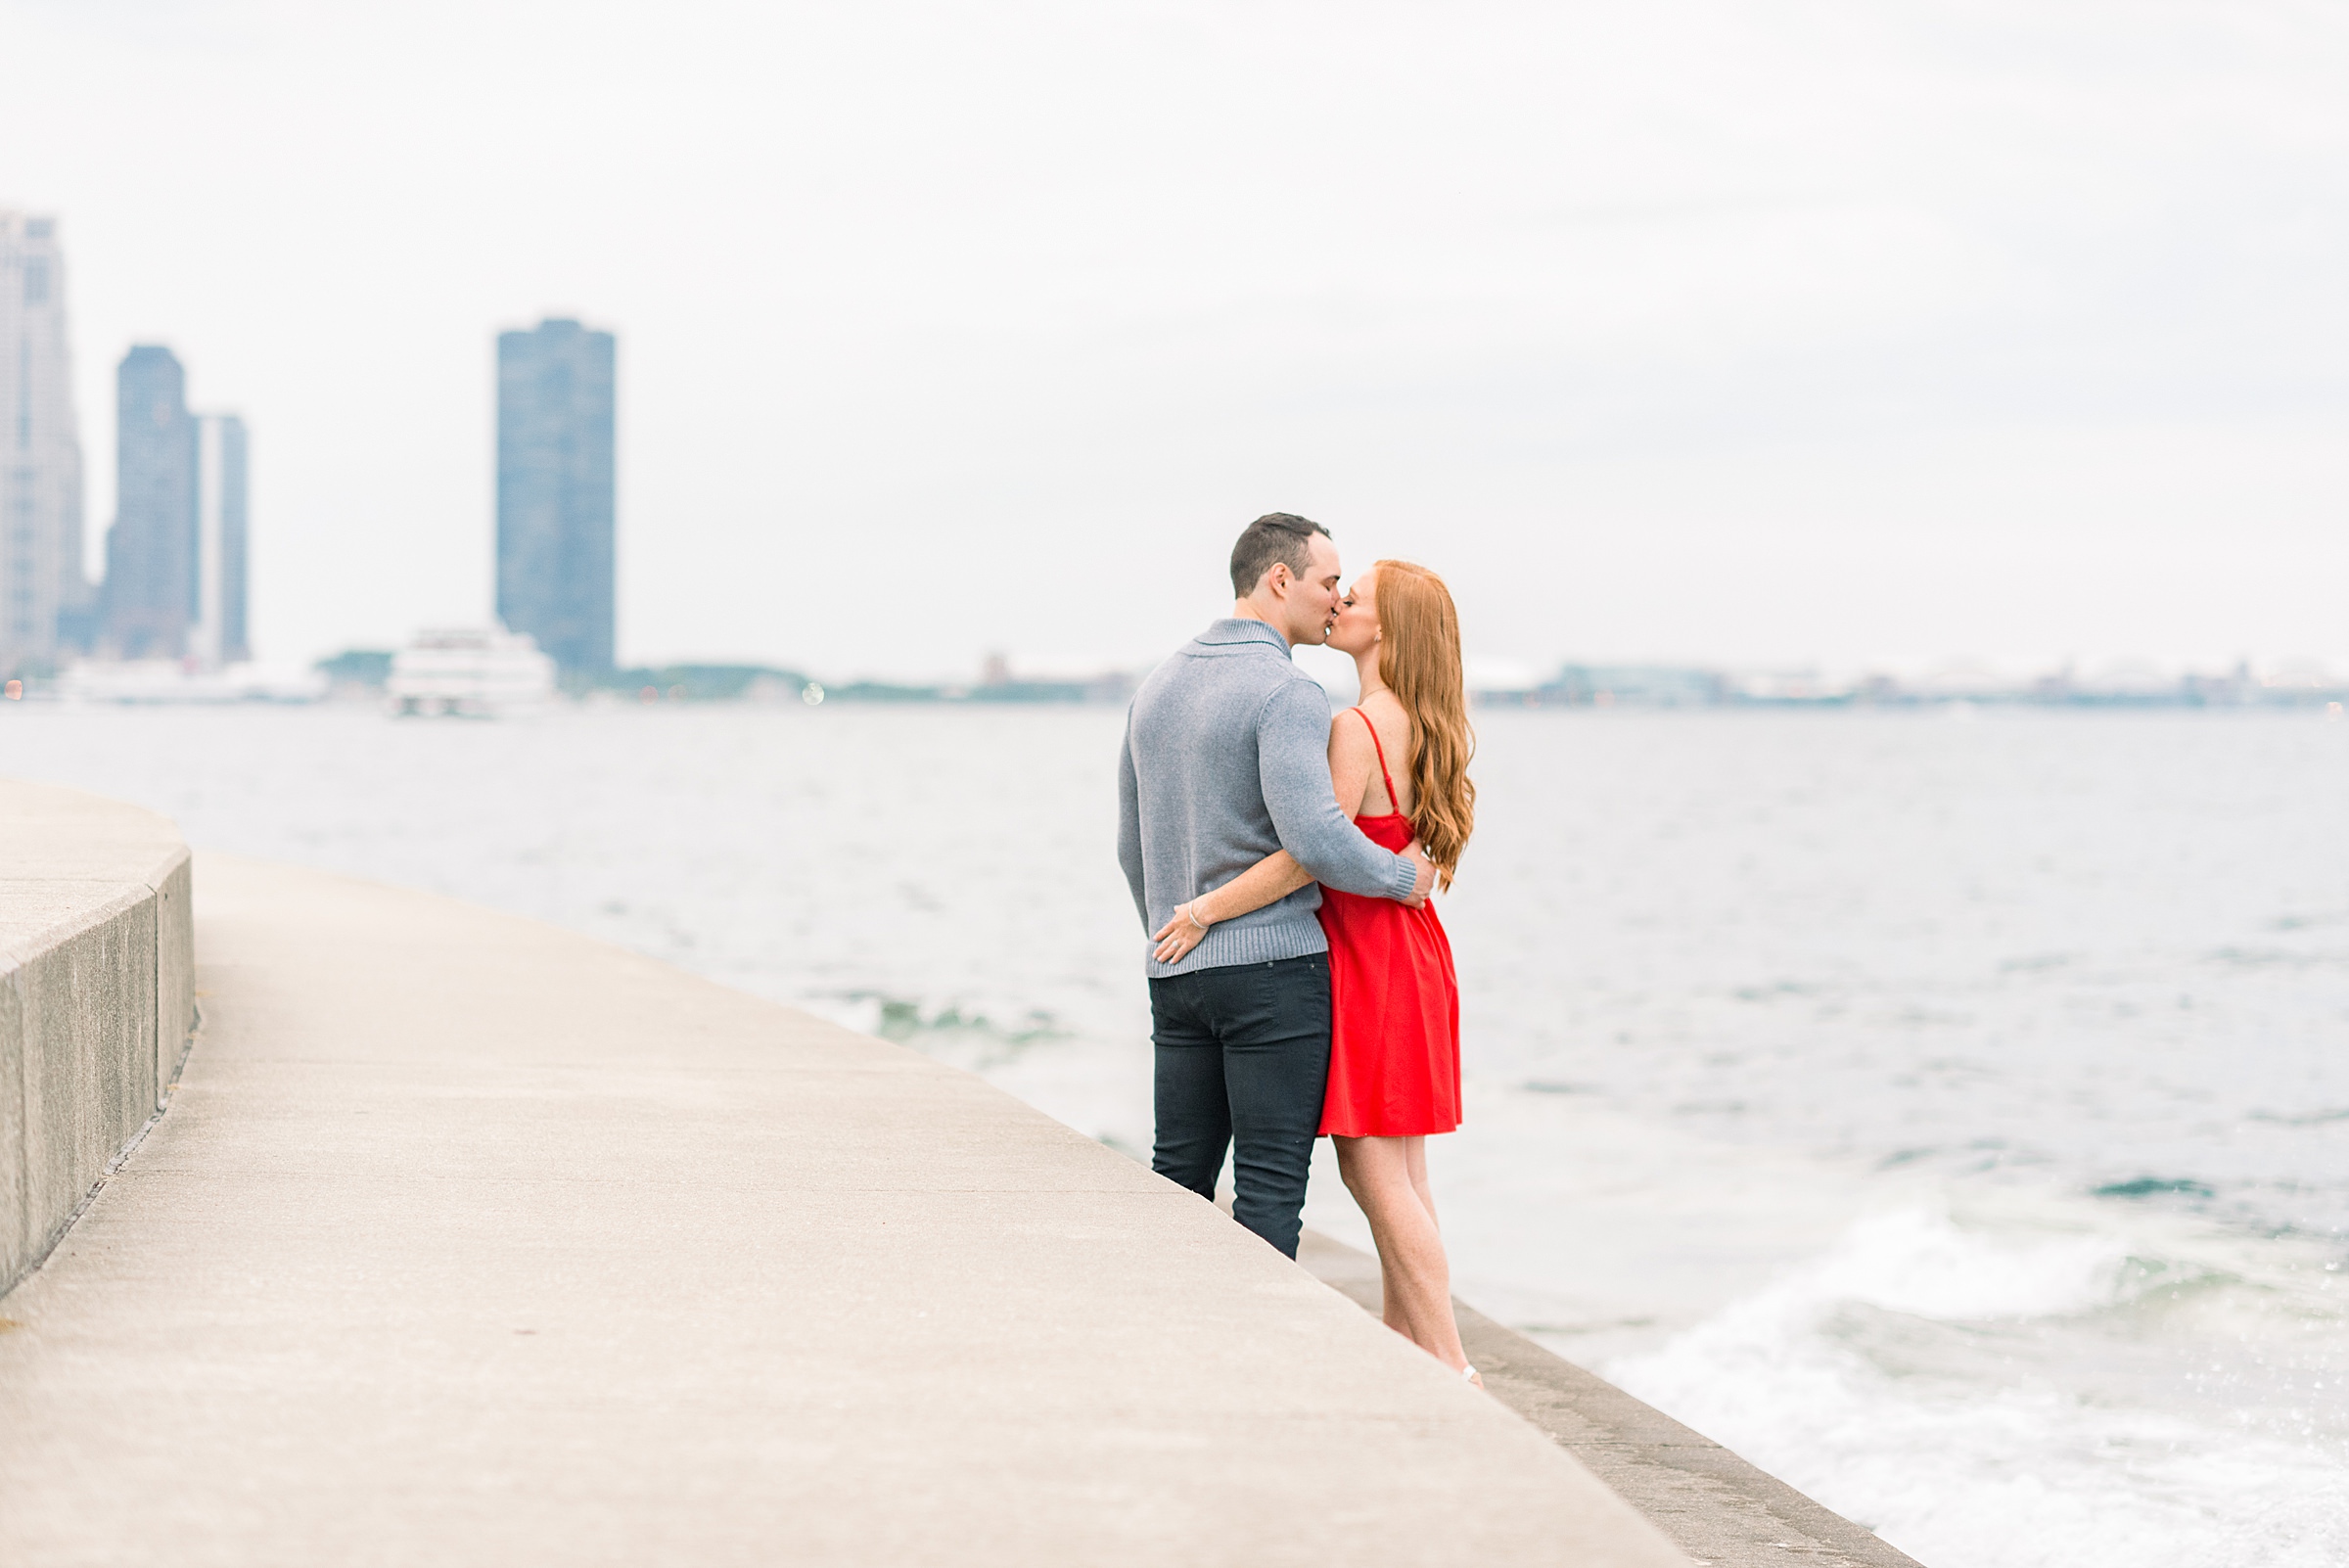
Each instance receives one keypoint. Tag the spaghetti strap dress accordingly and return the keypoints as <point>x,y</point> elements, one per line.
<point>1395,1004</point>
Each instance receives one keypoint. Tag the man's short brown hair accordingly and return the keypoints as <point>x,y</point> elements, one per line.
<point>1281,537</point>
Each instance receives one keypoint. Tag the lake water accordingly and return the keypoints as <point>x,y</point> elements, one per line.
<point>1949,1111</point>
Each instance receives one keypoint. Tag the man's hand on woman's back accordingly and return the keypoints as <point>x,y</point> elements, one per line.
<point>1423,876</point>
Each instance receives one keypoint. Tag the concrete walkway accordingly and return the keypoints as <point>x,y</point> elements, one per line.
<point>470,1241</point>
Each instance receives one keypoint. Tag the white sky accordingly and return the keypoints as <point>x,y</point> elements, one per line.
<point>1761,333</point>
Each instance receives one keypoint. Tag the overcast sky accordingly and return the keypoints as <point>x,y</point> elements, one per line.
<point>1748,332</point>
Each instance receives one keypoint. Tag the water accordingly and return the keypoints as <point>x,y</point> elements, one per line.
<point>1949,1114</point>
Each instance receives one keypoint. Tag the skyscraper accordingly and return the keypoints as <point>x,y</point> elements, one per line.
<point>152,592</point>
<point>554,490</point>
<point>218,635</point>
<point>42,581</point>
<point>175,558</point>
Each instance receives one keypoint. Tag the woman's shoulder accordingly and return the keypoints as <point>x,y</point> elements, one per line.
<point>1380,707</point>
<point>1386,711</point>
<point>1350,736</point>
<point>1347,729</point>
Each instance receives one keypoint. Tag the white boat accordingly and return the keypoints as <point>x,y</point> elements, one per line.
<point>470,672</point>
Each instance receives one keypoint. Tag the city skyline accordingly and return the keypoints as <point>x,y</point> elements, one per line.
<point>1864,336</point>
<point>174,577</point>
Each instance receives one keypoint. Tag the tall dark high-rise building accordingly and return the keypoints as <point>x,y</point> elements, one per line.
<point>175,558</point>
<point>151,593</point>
<point>554,490</point>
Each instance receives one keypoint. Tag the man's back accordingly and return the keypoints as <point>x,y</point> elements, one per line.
<point>1224,763</point>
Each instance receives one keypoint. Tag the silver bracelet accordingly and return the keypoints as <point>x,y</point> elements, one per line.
<point>1191,913</point>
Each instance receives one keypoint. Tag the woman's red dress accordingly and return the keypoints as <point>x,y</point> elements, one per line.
<point>1394,1004</point>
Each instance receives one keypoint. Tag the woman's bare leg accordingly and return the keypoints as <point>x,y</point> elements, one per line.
<point>1417,1280</point>
<point>1415,1151</point>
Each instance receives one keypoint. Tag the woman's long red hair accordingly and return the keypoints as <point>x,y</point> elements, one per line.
<point>1420,660</point>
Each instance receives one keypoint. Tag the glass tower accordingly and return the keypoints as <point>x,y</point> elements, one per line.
<point>175,559</point>
<point>218,636</point>
<point>554,490</point>
<point>153,595</point>
<point>43,595</point>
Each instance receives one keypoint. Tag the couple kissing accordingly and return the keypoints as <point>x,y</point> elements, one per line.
<point>1281,859</point>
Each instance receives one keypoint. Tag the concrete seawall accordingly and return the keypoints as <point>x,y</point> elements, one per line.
<point>472,1241</point>
<point>97,998</point>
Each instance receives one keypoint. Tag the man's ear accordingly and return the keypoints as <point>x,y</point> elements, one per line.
<point>1279,578</point>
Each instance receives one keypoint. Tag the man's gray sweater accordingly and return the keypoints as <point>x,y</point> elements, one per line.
<point>1226,759</point>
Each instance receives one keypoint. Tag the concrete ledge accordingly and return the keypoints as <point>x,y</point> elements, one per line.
<point>471,1241</point>
<point>1712,1505</point>
<point>97,997</point>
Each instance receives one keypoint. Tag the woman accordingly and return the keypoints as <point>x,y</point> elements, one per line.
<point>1395,1004</point>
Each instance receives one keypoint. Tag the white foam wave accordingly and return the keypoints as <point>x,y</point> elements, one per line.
<point>1917,1261</point>
<point>1879,1379</point>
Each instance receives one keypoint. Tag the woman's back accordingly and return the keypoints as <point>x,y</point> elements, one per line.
<point>1393,747</point>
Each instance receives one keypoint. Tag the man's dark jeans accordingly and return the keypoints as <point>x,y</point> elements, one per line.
<point>1243,1059</point>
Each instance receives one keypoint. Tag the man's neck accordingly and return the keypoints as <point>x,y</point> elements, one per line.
<point>1246,610</point>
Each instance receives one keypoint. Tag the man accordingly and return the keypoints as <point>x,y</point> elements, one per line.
<point>1225,759</point>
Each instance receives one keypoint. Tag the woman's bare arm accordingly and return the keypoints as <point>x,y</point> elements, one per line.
<point>1273,877</point>
<point>1276,876</point>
